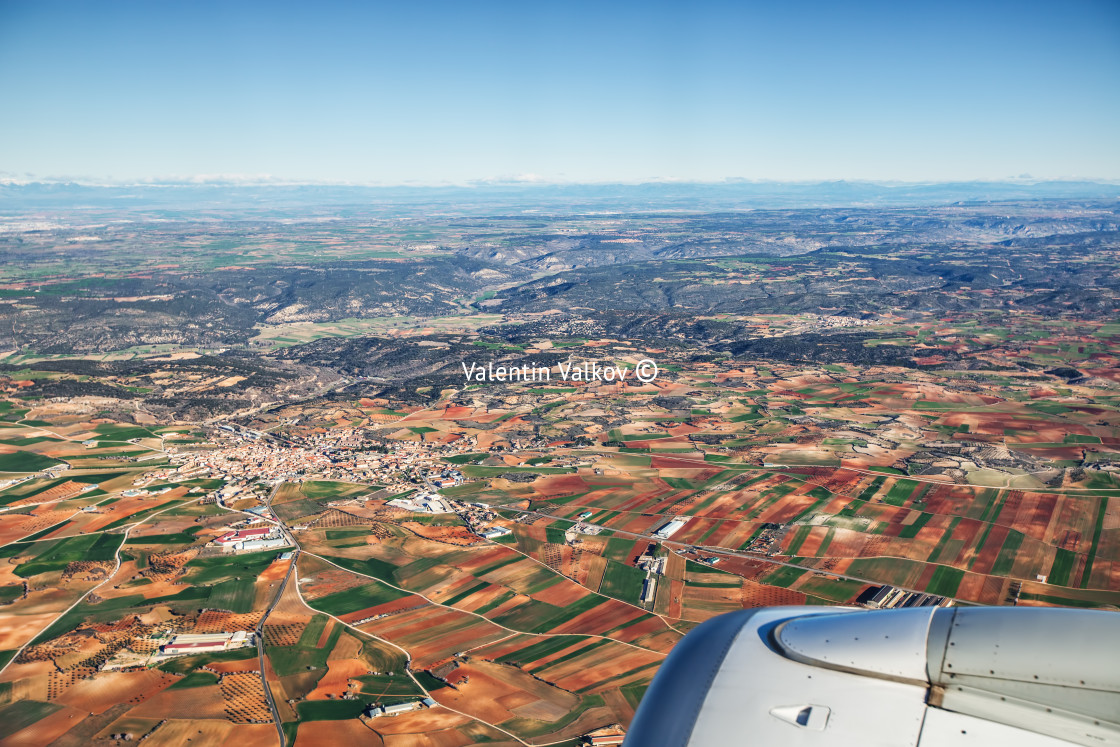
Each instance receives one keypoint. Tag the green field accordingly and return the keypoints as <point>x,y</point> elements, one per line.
<point>784,576</point>
<point>911,530</point>
<point>187,664</point>
<point>304,655</point>
<point>235,596</point>
<point>219,568</point>
<point>25,461</point>
<point>622,582</point>
<point>56,555</point>
<point>899,492</point>
<point>369,567</point>
<point>195,679</point>
<point>945,581</point>
<point>352,600</point>
<point>186,537</point>
<point>20,715</point>
<point>330,710</point>
<point>1064,561</point>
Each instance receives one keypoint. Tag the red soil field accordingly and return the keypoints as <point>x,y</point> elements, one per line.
<point>483,557</point>
<point>786,508</point>
<point>987,555</point>
<point>432,634</point>
<point>575,674</point>
<point>561,485</point>
<point>17,526</point>
<point>398,605</point>
<point>659,493</point>
<point>561,594</point>
<point>545,661</point>
<point>326,634</point>
<point>504,648</point>
<point>691,532</point>
<point>275,571</point>
<point>1034,515</point>
<point>631,633</point>
<point>722,532</point>
<point>676,595</point>
<point>759,595</point>
<point>738,532</point>
<point>812,543</point>
<point>126,507</point>
<point>607,615</point>
<point>968,532</point>
<point>338,676</point>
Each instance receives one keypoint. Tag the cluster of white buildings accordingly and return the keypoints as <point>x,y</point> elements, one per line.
<point>323,456</point>
<point>399,708</point>
<point>136,492</point>
<point>205,643</point>
<point>889,598</point>
<point>251,540</point>
<point>424,503</point>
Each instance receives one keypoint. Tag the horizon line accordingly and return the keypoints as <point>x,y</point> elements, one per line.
<point>265,180</point>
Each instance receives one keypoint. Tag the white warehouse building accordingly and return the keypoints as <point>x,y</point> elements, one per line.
<point>668,530</point>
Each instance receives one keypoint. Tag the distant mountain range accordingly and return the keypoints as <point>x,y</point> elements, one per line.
<point>16,198</point>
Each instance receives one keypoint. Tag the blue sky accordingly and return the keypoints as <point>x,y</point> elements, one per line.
<point>559,91</point>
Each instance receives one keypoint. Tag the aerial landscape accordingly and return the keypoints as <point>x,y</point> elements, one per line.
<point>251,484</point>
<point>400,377</point>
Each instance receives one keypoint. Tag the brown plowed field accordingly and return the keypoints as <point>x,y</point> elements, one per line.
<point>760,595</point>
<point>333,733</point>
<point>427,727</point>
<point>203,702</point>
<point>46,730</point>
<point>15,630</point>
<point>987,554</point>
<point>622,709</point>
<point>723,531</point>
<point>545,661</point>
<point>432,634</point>
<point>334,682</point>
<point>812,543</point>
<point>176,733</point>
<point>483,557</point>
<point>396,606</point>
<point>607,615</point>
<point>561,594</point>
<point>493,690</point>
<point>610,664</point>
<point>481,598</point>
<point>450,535</point>
<point>107,689</point>
<point>16,526</point>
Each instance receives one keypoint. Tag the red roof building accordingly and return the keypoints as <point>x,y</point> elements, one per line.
<point>243,535</point>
